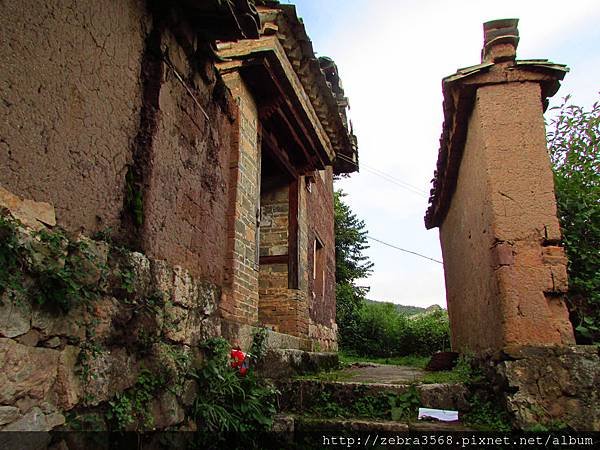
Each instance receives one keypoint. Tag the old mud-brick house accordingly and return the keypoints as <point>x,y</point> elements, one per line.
<point>202,133</point>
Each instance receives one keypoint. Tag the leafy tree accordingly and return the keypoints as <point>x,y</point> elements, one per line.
<point>574,140</point>
<point>350,243</point>
<point>351,265</point>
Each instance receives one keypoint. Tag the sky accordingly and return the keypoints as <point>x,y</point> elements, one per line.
<point>392,56</point>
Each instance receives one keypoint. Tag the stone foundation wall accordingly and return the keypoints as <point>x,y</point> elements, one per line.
<point>109,346</point>
<point>548,386</point>
<point>323,337</point>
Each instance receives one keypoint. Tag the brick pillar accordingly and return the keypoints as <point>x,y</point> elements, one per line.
<point>493,200</point>
<point>240,295</point>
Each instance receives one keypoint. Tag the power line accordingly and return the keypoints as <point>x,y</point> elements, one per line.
<point>404,250</point>
<point>387,177</point>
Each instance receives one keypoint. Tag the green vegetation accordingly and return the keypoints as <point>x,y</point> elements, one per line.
<point>574,144</point>
<point>133,405</point>
<point>380,330</point>
<point>385,406</point>
<point>486,414</point>
<point>461,373</point>
<point>230,402</point>
<point>350,265</point>
<point>406,310</point>
<point>368,328</point>
<point>46,266</point>
<point>348,357</point>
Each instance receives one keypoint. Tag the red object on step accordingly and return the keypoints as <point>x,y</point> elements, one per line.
<point>239,360</point>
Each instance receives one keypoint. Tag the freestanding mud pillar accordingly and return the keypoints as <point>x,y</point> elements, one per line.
<point>493,201</point>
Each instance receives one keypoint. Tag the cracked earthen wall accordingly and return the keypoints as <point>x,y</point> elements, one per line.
<point>71,97</point>
<point>95,92</point>
<point>505,271</point>
<point>187,184</point>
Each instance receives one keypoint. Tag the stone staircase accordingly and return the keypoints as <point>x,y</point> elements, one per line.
<point>303,401</point>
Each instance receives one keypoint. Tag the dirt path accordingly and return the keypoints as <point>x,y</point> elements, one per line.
<point>382,373</point>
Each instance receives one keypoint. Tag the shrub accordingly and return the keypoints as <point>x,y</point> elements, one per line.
<point>229,402</point>
<point>380,330</point>
<point>574,140</point>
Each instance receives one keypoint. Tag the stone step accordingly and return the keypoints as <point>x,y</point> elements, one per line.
<point>287,363</point>
<point>292,424</point>
<point>304,395</point>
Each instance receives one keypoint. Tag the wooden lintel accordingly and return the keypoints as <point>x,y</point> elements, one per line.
<point>274,259</point>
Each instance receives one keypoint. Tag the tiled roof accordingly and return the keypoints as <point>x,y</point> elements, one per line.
<point>319,79</point>
<point>459,92</point>
<point>225,19</point>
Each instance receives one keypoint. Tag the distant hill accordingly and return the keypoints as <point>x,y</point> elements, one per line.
<point>407,310</point>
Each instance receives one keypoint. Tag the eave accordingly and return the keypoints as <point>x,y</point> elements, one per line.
<point>459,92</point>
<point>281,99</point>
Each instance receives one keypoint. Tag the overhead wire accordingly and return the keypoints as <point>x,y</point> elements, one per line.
<point>387,177</point>
<point>402,184</point>
<point>404,250</point>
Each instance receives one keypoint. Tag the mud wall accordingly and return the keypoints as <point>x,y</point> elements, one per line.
<point>129,138</point>
<point>71,97</point>
<point>505,269</point>
<point>467,237</point>
<point>185,169</point>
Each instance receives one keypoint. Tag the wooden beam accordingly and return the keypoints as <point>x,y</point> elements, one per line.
<point>272,146</point>
<point>293,231</point>
<point>311,159</point>
<point>274,259</point>
<point>304,131</point>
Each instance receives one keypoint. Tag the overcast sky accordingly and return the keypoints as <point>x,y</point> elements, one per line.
<point>392,55</point>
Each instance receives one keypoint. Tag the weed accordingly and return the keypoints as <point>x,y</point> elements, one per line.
<point>230,402</point>
<point>463,372</point>
<point>10,261</point>
<point>487,415</point>
<point>104,235</point>
<point>385,405</point>
<point>132,405</point>
<point>127,280</point>
<point>89,350</point>
<point>134,198</point>
<point>46,266</point>
<point>258,349</point>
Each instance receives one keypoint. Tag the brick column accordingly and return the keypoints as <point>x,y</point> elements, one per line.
<point>493,200</point>
<point>240,295</point>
